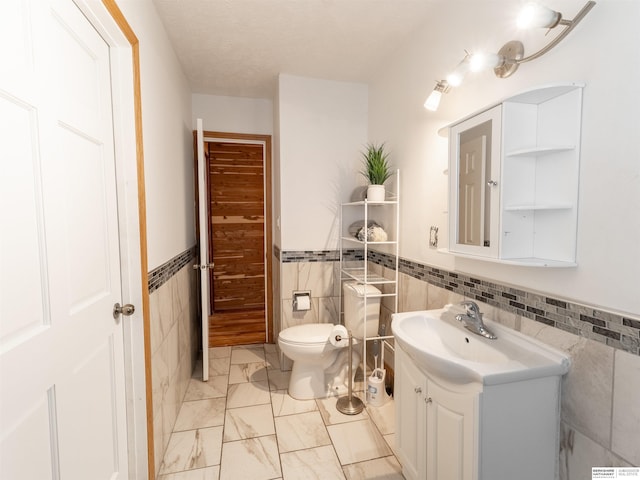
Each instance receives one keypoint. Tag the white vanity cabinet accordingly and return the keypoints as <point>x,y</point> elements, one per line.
<point>513,186</point>
<point>448,431</point>
<point>436,434</point>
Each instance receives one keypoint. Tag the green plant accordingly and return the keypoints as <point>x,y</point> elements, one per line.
<point>376,167</point>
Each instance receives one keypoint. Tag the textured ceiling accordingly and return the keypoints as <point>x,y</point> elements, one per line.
<point>238,47</point>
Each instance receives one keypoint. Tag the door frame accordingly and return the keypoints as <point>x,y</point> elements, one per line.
<point>268,215</point>
<point>107,18</point>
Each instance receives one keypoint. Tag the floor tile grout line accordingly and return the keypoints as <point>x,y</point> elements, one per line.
<point>333,445</point>
<point>273,420</point>
<point>224,421</point>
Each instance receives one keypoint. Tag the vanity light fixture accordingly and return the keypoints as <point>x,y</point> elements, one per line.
<point>511,55</point>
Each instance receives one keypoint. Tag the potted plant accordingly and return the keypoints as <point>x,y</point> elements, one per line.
<point>376,170</point>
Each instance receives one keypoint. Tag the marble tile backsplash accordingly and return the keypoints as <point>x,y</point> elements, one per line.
<point>173,308</point>
<point>600,416</point>
<point>160,275</point>
<point>616,330</point>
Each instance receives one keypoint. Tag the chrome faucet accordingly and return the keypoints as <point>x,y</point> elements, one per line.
<point>473,320</point>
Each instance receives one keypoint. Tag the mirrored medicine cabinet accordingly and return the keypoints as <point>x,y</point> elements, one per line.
<point>513,179</point>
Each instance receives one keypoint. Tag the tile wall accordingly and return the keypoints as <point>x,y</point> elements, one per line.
<point>600,423</point>
<point>175,341</point>
<point>315,273</point>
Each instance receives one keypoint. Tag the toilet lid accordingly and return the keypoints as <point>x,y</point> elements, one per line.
<point>308,333</point>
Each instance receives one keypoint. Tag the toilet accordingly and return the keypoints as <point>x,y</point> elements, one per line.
<point>320,368</point>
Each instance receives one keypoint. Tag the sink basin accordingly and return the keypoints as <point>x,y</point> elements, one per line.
<point>441,346</point>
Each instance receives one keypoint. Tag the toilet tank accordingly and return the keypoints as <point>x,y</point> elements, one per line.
<point>354,309</point>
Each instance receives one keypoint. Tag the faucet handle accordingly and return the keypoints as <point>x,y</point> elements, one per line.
<point>470,306</point>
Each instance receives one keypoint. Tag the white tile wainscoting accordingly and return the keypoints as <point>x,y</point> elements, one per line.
<point>174,325</point>
<point>600,424</point>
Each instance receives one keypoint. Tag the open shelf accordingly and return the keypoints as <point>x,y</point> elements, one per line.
<point>358,274</point>
<point>362,242</point>
<point>523,262</point>
<point>539,151</point>
<point>365,202</point>
<point>521,208</point>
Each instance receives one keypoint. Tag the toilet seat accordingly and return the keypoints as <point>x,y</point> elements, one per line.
<point>307,334</point>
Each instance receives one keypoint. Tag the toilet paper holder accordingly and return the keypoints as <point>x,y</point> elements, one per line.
<point>301,300</point>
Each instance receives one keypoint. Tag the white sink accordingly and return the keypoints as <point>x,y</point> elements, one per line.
<point>440,345</point>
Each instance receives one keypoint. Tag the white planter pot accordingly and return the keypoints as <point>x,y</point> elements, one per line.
<point>375,193</point>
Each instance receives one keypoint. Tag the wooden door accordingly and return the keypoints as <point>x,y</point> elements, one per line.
<point>239,235</point>
<point>236,197</point>
<point>63,406</point>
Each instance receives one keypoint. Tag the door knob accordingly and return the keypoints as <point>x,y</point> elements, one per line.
<point>126,310</point>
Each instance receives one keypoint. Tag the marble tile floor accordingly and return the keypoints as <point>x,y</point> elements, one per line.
<point>242,424</point>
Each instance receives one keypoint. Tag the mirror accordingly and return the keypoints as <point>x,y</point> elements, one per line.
<point>474,192</point>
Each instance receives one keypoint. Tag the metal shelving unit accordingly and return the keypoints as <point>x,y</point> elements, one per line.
<point>362,274</point>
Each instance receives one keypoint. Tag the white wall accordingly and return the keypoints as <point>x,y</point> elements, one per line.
<point>240,115</point>
<point>323,128</point>
<point>233,114</point>
<point>168,150</point>
<point>602,52</point>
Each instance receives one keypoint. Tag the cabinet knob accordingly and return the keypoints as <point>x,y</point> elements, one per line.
<point>418,389</point>
<point>428,400</point>
<point>492,183</point>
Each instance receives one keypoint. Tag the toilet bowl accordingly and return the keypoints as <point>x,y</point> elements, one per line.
<point>314,357</point>
<point>320,368</point>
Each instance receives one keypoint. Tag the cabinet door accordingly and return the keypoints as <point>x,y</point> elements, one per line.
<point>410,388</point>
<point>474,173</point>
<point>451,434</point>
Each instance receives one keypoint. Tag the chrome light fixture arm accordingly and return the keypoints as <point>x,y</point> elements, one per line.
<point>512,53</point>
<point>569,24</point>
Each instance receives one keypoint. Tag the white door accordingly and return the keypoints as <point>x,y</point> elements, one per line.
<point>203,218</point>
<point>62,401</point>
<point>472,165</point>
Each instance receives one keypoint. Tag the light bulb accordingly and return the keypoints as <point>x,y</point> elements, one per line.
<point>536,15</point>
<point>433,102</point>
<point>481,61</point>
<point>455,78</point>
